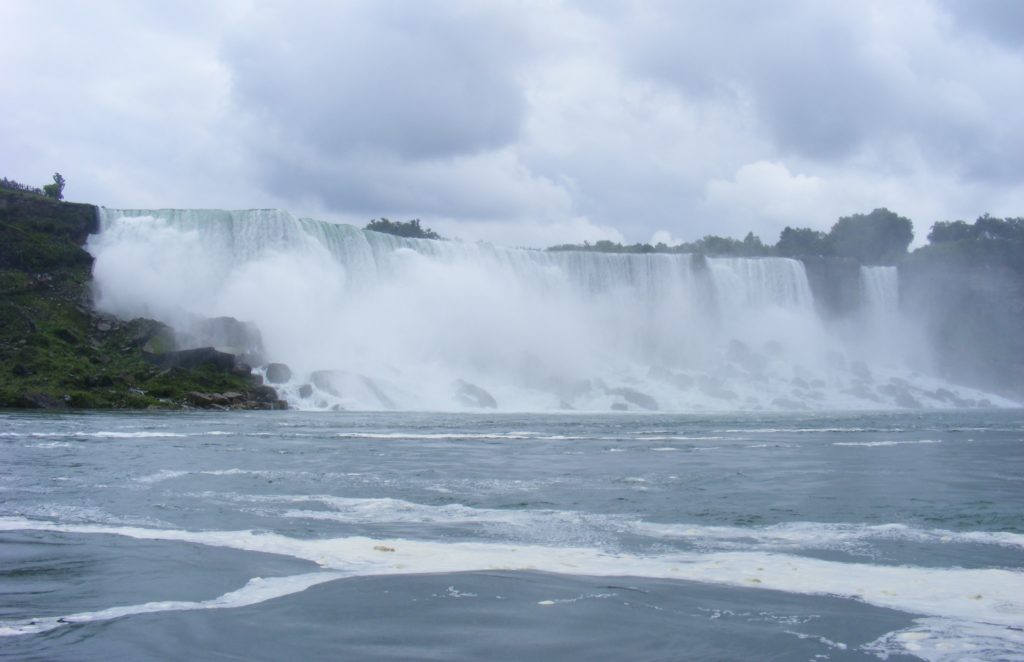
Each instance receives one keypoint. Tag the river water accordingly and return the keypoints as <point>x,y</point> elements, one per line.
<point>320,535</point>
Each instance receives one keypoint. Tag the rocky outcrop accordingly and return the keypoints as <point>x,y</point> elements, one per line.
<point>57,351</point>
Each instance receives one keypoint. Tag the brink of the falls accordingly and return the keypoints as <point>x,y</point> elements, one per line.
<point>365,320</point>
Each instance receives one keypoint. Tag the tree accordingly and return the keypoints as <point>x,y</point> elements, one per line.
<point>409,229</point>
<point>797,242</point>
<point>56,189</point>
<point>946,231</point>
<point>880,237</point>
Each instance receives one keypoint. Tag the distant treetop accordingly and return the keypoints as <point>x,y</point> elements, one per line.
<point>409,229</point>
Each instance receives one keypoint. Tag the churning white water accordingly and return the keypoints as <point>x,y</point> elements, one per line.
<point>368,320</point>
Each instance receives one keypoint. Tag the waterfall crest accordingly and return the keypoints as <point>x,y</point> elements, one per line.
<point>368,320</point>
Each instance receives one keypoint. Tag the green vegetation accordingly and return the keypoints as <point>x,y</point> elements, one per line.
<point>994,243</point>
<point>12,185</point>
<point>410,229</point>
<point>880,237</point>
<point>750,246</point>
<point>56,189</point>
<point>55,351</point>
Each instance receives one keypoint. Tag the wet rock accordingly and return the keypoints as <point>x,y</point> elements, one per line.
<point>278,373</point>
<point>305,390</point>
<point>472,395</point>
<point>207,357</point>
<point>198,399</point>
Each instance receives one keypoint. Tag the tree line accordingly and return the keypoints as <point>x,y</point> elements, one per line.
<point>880,237</point>
<point>54,190</point>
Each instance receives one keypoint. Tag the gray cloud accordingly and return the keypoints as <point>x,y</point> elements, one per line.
<point>830,81</point>
<point>685,117</point>
<point>417,80</point>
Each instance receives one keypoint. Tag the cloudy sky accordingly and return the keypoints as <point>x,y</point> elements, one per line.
<point>526,122</point>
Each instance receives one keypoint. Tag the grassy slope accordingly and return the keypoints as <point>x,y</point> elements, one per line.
<point>54,350</point>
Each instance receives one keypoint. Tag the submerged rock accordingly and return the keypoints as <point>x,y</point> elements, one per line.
<point>472,395</point>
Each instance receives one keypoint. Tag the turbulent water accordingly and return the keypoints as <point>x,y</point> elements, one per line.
<point>302,535</point>
<point>371,321</point>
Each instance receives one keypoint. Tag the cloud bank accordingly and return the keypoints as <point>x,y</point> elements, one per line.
<point>527,122</point>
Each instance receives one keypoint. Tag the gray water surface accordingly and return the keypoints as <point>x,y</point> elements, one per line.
<point>454,536</point>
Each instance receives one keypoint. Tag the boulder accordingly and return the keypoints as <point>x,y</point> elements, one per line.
<point>278,373</point>
<point>305,390</point>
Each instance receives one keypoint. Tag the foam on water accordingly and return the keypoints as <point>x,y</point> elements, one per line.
<point>987,600</point>
<point>256,590</point>
<point>886,443</point>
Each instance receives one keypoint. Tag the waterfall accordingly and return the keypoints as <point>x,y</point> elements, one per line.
<point>369,321</point>
<point>880,290</point>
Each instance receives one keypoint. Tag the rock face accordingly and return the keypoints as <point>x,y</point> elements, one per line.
<point>835,284</point>
<point>471,395</point>
<point>278,373</point>
<point>973,314</point>
<point>200,357</point>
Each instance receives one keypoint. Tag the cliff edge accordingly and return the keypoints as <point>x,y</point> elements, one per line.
<point>56,351</point>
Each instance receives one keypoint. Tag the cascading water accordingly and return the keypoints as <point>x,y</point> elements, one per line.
<point>880,290</point>
<point>368,320</point>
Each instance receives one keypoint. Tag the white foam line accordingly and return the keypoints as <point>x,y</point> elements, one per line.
<point>103,434</point>
<point>255,591</point>
<point>990,595</point>
<point>946,640</point>
<point>886,443</point>
<point>788,536</point>
<point>434,436</point>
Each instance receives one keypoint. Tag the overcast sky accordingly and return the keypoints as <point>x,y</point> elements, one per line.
<point>524,122</point>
